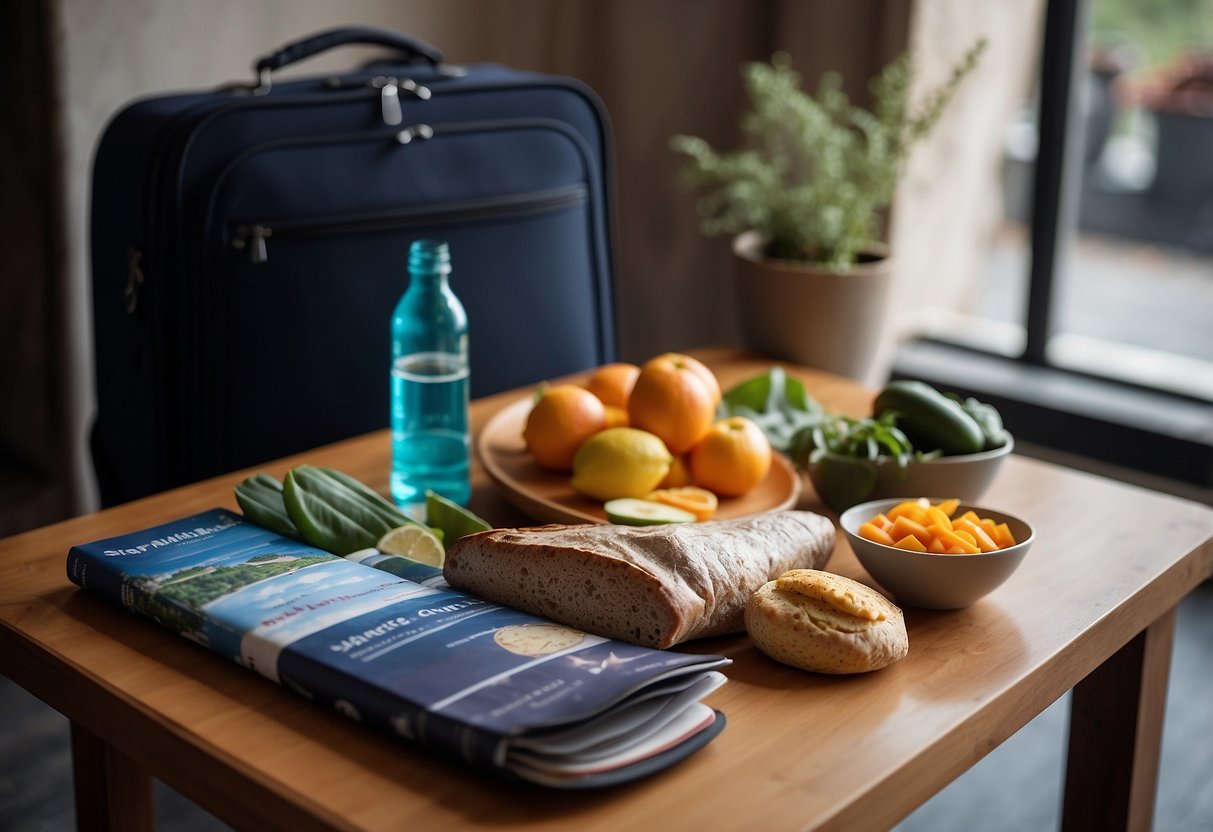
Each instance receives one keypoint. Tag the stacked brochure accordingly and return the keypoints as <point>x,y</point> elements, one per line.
<point>386,642</point>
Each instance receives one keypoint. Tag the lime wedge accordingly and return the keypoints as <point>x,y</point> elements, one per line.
<point>454,520</point>
<point>415,543</point>
<point>629,511</point>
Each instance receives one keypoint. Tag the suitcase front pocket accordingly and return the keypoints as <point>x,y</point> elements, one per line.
<point>253,235</point>
<point>320,295</point>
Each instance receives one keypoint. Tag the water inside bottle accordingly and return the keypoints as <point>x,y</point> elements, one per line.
<point>430,447</point>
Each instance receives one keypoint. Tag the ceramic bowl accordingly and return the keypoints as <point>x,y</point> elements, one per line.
<point>937,582</point>
<point>842,482</point>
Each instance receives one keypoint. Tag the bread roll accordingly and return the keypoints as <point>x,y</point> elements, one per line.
<point>826,623</point>
<point>656,586</point>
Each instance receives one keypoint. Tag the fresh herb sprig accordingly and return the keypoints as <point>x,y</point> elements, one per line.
<point>864,438</point>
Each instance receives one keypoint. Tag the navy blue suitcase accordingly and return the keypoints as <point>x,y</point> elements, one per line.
<point>249,245</point>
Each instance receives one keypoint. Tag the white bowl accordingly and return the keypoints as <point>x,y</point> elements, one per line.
<point>937,582</point>
<point>965,476</point>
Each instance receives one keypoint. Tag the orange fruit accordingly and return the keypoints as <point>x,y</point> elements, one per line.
<point>699,501</point>
<point>612,383</point>
<point>732,458</point>
<point>560,422</point>
<point>616,417</point>
<point>680,474</point>
<point>700,369</point>
<point>675,397</point>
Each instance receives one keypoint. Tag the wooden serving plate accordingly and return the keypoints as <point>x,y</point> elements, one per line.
<point>546,495</point>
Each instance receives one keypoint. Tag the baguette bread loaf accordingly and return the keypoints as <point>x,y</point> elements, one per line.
<point>826,623</point>
<point>656,586</point>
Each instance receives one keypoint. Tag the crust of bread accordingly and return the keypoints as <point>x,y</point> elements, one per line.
<point>810,632</point>
<point>656,586</point>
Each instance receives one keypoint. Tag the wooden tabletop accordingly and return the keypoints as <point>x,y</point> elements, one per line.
<point>800,751</point>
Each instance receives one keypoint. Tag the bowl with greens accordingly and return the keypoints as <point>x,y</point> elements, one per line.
<point>918,441</point>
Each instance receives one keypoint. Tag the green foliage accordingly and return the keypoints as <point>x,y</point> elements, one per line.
<point>1159,29</point>
<point>816,172</point>
<point>199,587</point>
<point>779,405</point>
<point>866,438</point>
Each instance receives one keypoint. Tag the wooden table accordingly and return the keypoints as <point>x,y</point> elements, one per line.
<point>1092,607</point>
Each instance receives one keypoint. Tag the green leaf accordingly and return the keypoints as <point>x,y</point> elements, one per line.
<point>260,498</point>
<point>778,404</point>
<point>375,502</point>
<point>867,438</point>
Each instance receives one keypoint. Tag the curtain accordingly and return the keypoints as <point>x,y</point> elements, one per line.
<point>35,463</point>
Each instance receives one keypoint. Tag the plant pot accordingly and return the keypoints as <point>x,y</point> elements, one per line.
<point>799,312</point>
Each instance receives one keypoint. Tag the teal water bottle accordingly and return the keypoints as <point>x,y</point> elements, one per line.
<point>431,442</point>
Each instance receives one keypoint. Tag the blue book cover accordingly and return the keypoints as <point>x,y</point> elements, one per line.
<point>384,641</point>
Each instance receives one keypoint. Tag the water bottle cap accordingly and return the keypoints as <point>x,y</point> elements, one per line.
<point>429,257</point>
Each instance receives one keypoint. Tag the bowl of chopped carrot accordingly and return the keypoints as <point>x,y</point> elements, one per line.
<point>937,554</point>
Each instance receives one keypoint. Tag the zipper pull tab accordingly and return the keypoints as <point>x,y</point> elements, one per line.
<point>411,86</point>
<point>415,132</point>
<point>257,252</point>
<point>253,238</point>
<point>389,99</point>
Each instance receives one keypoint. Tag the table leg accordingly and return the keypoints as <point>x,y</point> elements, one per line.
<point>113,792</point>
<point>1116,717</point>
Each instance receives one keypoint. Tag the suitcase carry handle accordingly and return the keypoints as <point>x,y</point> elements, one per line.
<point>305,47</point>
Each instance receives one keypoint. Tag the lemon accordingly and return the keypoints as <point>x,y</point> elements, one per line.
<point>414,542</point>
<point>620,462</point>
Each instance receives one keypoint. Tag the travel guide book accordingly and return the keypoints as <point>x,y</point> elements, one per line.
<point>384,641</point>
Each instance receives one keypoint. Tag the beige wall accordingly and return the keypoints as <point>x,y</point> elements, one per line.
<point>663,66</point>
<point>950,205</point>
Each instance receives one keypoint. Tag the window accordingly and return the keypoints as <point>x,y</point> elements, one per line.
<point>1098,292</point>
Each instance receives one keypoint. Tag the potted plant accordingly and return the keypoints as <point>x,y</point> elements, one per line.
<point>807,198</point>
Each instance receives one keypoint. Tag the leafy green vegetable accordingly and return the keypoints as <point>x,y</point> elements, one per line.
<point>260,498</point>
<point>381,506</point>
<point>335,512</point>
<point>867,438</point>
<point>779,405</point>
<point>841,455</point>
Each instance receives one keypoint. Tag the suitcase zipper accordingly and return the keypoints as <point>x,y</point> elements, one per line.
<point>167,188</point>
<point>252,236</point>
<point>390,87</point>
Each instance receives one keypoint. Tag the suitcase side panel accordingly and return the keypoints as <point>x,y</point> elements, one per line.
<point>124,433</point>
